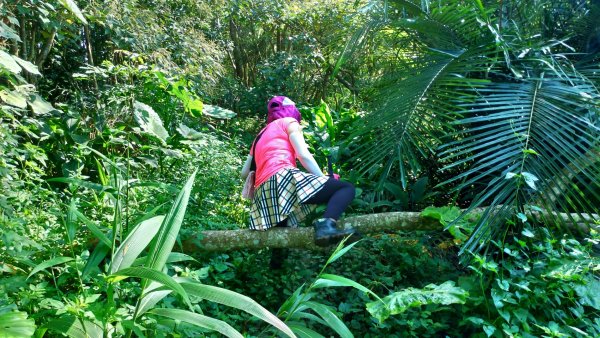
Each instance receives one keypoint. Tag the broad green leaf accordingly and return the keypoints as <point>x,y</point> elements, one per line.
<point>28,66</point>
<point>236,300</point>
<point>589,293</point>
<point>8,33</point>
<point>9,63</point>
<point>73,8</point>
<point>154,293</point>
<point>329,280</point>
<point>194,107</point>
<point>165,239</point>
<point>401,301</point>
<point>49,263</point>
<point>93,228</point>
<point>304,332</point>
<point>39,105</point>
<point>137,240</point>
<point>149,120</point>
<point>16,324</point>
<point>218,112</point>
<point>13,98</point>
<point>153,275</point>
<point>188,133</point>
<point>445,214</point>
<point>333,321</point>
<point>75,328</point>
<point>199,320</point>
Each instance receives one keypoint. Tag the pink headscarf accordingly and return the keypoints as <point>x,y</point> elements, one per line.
<point>280,107</point>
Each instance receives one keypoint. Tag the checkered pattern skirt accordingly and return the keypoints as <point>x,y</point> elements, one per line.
<point>281,197</point>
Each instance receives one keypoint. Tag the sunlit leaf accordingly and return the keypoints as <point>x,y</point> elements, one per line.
<point>401,301</point>
<point>73,8</point>
<point>217,112</point>
<point>13,98</point>
<point>149,120</point>
<point>16,324</point>
<point>137,240</point>
<point>9,33</point>
<point>39,105</point>
<point>28,66</point>
<point>9,63</point>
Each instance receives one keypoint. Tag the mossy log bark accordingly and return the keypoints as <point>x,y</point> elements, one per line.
<point>226,240</point>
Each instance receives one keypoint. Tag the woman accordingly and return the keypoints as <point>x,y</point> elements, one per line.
<point>283,192</point>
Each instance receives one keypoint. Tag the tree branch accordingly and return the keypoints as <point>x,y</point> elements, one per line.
<point>226,240</point>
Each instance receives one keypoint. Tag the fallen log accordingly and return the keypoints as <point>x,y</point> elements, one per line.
<point>227,240</point>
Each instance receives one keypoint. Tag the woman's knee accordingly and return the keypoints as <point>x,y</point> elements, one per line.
<point>349,187</point>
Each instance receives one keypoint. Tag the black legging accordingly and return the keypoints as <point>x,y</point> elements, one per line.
<point>336,194</point>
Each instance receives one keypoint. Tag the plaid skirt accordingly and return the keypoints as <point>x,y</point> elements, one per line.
<point>281,197</point>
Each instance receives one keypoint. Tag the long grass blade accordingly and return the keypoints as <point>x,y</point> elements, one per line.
<point>199,320</point>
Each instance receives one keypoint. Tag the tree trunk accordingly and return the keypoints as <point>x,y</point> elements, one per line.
<point>23,35</point>
<point>226,240</point>
<point>237,54</point>
<point>47,46</point>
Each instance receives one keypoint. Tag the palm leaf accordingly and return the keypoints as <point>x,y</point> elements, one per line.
<point>516,132</point>
<point>405,125</point>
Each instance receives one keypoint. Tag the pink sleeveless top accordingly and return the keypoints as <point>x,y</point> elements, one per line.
<point>274,150</point>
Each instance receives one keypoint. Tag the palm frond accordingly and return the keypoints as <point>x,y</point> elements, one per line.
<point>528,143</point>
<point>409,113</point>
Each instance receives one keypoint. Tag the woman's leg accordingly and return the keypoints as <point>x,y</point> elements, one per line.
<point>336,194</point>
<point>278,255</point>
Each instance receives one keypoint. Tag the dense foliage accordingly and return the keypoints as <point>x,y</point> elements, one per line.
<point>123,126</point>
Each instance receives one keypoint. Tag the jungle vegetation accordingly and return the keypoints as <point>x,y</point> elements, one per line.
<point>124,124</point>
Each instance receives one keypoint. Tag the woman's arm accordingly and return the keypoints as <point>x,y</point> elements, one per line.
<point>301,149</point>
<point>246,168</point>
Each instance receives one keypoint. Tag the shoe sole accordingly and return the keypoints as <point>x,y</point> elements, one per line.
<point>336,238</point>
